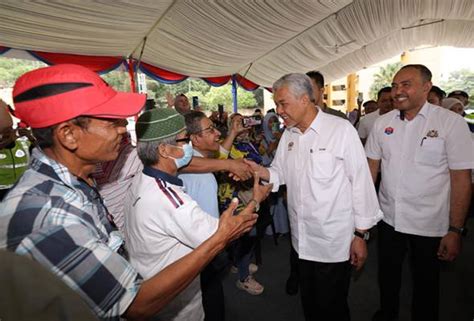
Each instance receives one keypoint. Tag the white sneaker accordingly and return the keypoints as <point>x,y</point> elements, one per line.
<point>253,268</point>
<point>250,285</point>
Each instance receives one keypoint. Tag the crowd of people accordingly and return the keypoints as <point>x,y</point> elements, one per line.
<point>147,231</point>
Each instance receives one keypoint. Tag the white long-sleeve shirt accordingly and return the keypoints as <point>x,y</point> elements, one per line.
<point>330,190</point>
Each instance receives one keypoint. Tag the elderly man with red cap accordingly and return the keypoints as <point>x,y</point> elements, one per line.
<point>54,214</point>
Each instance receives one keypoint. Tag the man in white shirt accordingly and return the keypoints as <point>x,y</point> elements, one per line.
<point>424,194</point>
<point>162,223</point>
<point>330,196</point>
<point>384,103</point>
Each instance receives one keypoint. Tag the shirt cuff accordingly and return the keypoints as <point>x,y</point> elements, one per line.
<point>365,223</point>
<point>274,179</point>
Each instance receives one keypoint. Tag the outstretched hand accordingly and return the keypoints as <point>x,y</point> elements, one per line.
<point>239,170</point>
<point>233,226</point>
<point>260,192</point>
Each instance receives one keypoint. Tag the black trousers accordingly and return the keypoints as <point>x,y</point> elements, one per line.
<point>212,293</point>
<point>324,288</point>
<point>425,266</point>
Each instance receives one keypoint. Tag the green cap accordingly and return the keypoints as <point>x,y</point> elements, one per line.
<point>159,123</point>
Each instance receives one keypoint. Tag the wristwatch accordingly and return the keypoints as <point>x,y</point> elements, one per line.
<point>460,230</point>
<point>257,204</point>
<point>365,236</point>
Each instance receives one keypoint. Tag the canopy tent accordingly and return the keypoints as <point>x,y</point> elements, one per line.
<point>256,41</point>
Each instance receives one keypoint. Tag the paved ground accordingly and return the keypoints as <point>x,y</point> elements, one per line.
<point>457,288</point>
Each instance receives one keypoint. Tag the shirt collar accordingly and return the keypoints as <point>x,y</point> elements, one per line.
<point>424,111</point>
<point>156,173</point>
<point>51,168</point>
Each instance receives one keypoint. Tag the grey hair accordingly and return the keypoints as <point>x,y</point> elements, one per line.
<point>193,121</point>
<point>148,151</point>
<point>299,85</point>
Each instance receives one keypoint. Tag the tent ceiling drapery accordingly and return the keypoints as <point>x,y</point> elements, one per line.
<point>260,40</point>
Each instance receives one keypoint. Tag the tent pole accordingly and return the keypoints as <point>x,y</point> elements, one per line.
<point>234,93</point>
<point>131,73</point>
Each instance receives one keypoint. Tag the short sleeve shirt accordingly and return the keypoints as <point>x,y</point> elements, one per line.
<point>416,157</point>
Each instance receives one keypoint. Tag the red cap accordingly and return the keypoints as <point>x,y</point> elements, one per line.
<point>52,95</point>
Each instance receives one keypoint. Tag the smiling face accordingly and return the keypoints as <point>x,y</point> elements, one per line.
<point>181,103</point>
<point>409,90</point>
<point>207,140</point>
<point>295,111</point>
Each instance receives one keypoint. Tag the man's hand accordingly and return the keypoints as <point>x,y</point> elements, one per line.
<point>232,227</point>
<point>262,172</point>
<point>237,127</point>
<point>358,252</point>
<point>449,247</point>
<point>239,170</point>
<point>260,192</point>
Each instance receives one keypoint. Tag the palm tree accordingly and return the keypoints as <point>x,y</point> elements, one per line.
<point>383,78</point>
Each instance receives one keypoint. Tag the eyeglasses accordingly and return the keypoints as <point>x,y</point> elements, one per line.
<point>184,140</point>
<point>211,129</point>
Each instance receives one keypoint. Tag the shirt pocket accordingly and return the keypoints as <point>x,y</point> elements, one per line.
<point>322,165</point>
<point>431,151</point>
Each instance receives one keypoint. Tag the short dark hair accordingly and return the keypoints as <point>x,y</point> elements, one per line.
<point>317,77</point>
<point>424,71</point>
<point>383,90</point>
<point>193,121</point>
<point>44,136</point>
<point>438,92</point>
<point>368,102</point>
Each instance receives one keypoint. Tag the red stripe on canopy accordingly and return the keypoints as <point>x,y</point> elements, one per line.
<point>162,75</point>
<point>217,81</point>
<point>101,64</point>
<point>245,83</point>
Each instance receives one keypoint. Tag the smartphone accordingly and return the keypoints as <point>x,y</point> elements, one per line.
<point>251,121</point>
<point>220,109</point>
<point>195,102</point>
<point>360,99</point>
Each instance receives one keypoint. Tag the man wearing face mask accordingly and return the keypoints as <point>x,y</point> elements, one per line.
<point>163,223</point>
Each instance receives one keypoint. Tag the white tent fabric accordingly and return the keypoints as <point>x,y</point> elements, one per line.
<point>261,40</point>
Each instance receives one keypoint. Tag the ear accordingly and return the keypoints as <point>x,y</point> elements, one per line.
<point>163,150</point>
<point>67,135</point>
<point>194,139</point>
<point>427,87</point>
<point>305,99</point>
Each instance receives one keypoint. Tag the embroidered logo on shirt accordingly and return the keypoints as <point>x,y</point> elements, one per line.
<point>389,131</point>
<point>432,133</point>
<point>290,146</point>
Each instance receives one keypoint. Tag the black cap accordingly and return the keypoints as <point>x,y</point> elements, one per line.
<point>458,93</point>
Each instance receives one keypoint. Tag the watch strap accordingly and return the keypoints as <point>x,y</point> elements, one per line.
<point>365,236</point>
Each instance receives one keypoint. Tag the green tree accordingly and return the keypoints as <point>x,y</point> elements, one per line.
<point>11,69</point>
<point>223,95</point>
<point>462,79</point>
<point>383,78</point>
<point>119,80</point>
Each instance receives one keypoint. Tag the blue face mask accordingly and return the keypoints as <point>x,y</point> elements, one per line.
<point>188,155</point>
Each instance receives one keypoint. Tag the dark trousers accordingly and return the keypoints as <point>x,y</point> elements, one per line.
<point>212,294</point>
<point>324,288</point>
<point>392,248</point>
<point>293,263</point>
